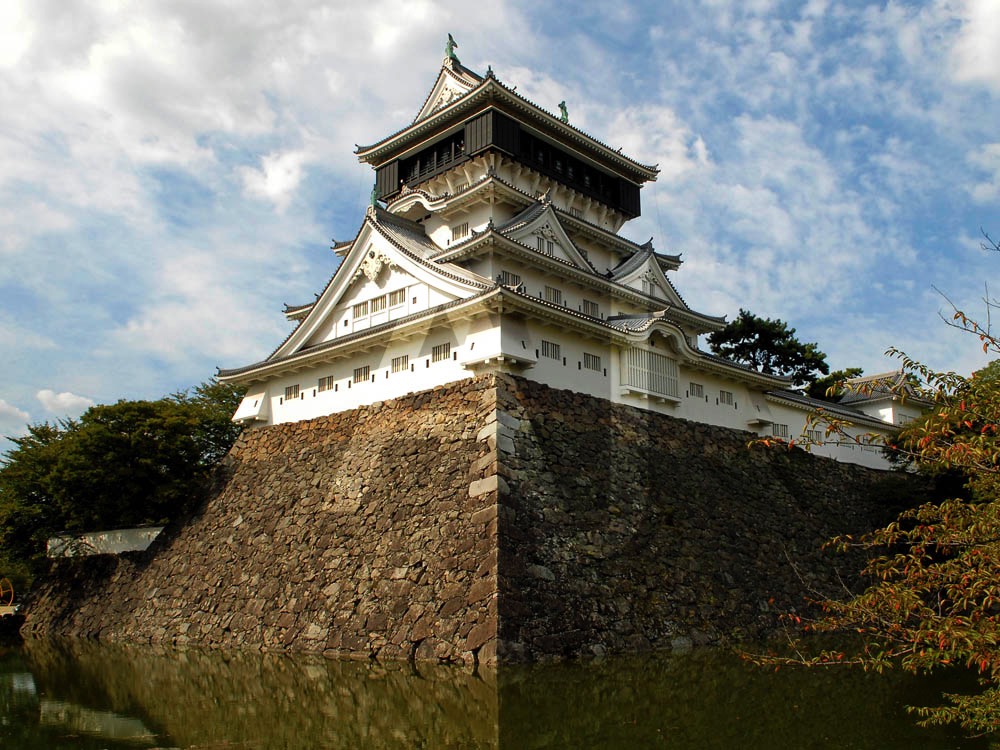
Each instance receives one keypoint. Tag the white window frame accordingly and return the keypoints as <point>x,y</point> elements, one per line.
<point>554,295</point>
<point>325,384</point>
<point>401,363</point>
<point>726,398</point>
<point>362,374</point>
<point>591,362</point>
<point>551,350</point>
<point>292,392</point>
<point>360,310</point>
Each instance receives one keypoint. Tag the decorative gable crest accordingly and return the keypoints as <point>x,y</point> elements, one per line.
<point>373,264</point>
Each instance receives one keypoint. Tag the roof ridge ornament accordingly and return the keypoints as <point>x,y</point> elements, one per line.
<point>563,112</point>
<point>449,51</point>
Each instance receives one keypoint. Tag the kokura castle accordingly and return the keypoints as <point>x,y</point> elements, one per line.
<point>493,243</point>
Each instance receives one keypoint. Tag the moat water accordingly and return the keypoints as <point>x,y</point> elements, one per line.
<point>82,695</point>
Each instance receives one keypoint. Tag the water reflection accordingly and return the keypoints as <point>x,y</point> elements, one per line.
<point>82,695</point>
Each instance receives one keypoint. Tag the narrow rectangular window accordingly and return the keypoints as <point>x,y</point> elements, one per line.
<point>553,295</point>
<point>540,242</point>
<point>397,297</point>
<point>400,364</point>
<point>550,248</point>
<point>326,384</point>
<point>591,308</point>
<point>591,361</point>
<point>460,231</point>
<point>360,310</point>
<point>550,350</point>
<point>726,398</point>
<point>291,392</point>
<point>779,430</point>
<point>509,279</point>
<point>697,390</point>
<point>440,352</point>
<point>361,374</point>
<point>378,304</point>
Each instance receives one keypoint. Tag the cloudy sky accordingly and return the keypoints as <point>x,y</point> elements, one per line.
<point>173,171</point>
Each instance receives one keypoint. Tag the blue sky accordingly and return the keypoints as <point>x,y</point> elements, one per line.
<point>172,173</point>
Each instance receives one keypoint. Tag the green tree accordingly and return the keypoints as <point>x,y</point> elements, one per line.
<point>934,595</point>
<point>122,464</point>
<point>769,346</point>
<point>831,387</point>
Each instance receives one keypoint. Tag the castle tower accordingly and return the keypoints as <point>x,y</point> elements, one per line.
<point>493,244</point>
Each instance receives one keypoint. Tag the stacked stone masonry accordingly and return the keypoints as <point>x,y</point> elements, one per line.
<point>494,519</point>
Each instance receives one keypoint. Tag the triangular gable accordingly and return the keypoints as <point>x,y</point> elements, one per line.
<point>453,82</point>
<point>645,275</point>
<point>372,262</point>
<point>545,233</point>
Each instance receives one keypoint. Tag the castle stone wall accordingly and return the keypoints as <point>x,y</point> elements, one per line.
<point>492,519</point>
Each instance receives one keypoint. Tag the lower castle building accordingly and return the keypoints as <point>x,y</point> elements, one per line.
<point>492,244</point>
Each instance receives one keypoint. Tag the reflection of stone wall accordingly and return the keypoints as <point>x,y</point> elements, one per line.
<point>195,697</point>
<point>377,532</point>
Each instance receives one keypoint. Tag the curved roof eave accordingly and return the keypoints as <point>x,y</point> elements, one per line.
<point>492,88</point>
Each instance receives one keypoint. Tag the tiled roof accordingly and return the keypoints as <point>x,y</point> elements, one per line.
<point>614,155</point>
<point>837,410</point>
<point>876,387</point>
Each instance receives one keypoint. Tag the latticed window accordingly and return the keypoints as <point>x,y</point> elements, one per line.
<point>397,297</point>
<point>550,350</point>
<point>553,295</point>
<point>326,384</point>
<point>361,374</point>
<point>360,310</point>
<point>440,352</point>
<point>460,231</point>
<point>650,372</point>
<point>400,364</point>
<point>378,304</point>
<point>726,398</point>
<point>779,430</point>
<point>291,392</point>
<point>591,308</point>
<point>697,390</point>
<point>591,361</point>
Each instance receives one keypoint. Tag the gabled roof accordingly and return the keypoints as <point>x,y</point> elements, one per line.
<point>887,385</point>
<point>802,401</point>
<point>453,77</point>
<point>491,92</point>
<point>540,217</point>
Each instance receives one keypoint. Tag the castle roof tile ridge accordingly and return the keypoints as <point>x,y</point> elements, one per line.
<point>837,409</point>
<point>649,171</point>
<point>428,262</point>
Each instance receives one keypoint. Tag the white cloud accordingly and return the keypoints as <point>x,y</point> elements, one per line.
<point>277,179</point>
<point>976,49</point>
<point>65,403</point>
<point>13,421</point>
